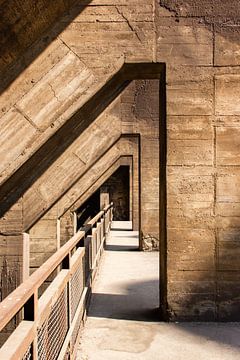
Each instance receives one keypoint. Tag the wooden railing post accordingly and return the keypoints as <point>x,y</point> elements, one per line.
<point>30,313</point>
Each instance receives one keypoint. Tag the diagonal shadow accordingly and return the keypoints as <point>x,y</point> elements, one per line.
<point>27,29</point>
<point>111,247</point>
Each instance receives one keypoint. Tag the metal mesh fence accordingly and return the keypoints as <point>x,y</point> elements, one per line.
<point>52,333</point>
<point>28,354</point>
<point>76,288</point>
<point>87,257</point>
<point>77,328</point>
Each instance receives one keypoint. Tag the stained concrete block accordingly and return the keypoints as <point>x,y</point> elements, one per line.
<point>228,209</point>
<point>70,165</point>
<point>32,202</point>
<point>228,180</point>
<point>208,8</point>
<point>191,215</point>
<point>229,253</point>
<point>44,229</point>
<point>189,93</point>
<point>16,133</point>
<point>191,249</point>
<point>200,307</point>
<point>190,127</point>
<point>227,140</point>
<point>190,152</point>
<point>37,259</point>
<point>52,92</point>
<point>227,91</point>
<point>117,12</point>
<point>110,40</point>
<point>189,184</point>
<point>179,44</point>
<point>40,245</point>
<point>32,74</point>
<point>12,221</point>
<point>10,246</point>
<point>228,295</point>
<point>23,24</point>
<point>229,234</point>
<point>227,47</point>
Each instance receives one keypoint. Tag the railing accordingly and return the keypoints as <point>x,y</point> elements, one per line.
<point>50,325</point>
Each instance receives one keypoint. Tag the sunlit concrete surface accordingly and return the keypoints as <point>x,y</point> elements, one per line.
<point>122,320</point>
<point>126,225</point>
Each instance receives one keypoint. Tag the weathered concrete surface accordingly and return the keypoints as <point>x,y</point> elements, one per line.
<point>119,325</point>
<point>199,41</point>
<point>129,340</point>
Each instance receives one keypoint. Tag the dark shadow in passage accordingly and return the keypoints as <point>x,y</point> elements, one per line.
<point>124,235</point>
<point>222,333</point>
<point>121,229</point>
<point>121,248</point>
<point>140,303</point>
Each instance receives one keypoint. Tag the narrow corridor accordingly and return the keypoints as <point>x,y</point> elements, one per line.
<point>127,287</point>
<point>122,319</point>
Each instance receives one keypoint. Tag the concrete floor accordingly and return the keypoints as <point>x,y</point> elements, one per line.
<point>122,317</point>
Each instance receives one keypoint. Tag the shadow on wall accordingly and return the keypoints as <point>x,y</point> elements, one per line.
<point>121,248</point>
<point>28,25</point>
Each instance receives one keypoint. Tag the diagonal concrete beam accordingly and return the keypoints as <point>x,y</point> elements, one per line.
<point>58,143</point>
<point>98,173</point>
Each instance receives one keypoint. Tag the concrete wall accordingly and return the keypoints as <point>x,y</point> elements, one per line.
<point>199,42</point>
<point>140,114</point>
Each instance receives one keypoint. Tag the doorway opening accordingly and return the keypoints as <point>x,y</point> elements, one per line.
<point>118,188</point>
<point>88,209</point>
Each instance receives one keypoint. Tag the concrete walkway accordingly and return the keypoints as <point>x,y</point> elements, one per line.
<point>121,317</point>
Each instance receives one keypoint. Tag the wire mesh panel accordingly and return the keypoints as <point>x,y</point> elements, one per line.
<point>43,340</point>
<point>28,354</point>
<point>76,288</point>
<point>77,329</point>
<point>52,333</point>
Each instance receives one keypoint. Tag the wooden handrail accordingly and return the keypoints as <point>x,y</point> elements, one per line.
<point>99,215</point>
<point>96,218</point>
<point>15,301</point>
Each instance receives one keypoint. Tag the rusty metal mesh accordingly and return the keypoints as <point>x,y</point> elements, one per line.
<point>28,354</point>
<point>76,288</point>
<point>52,332</point>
